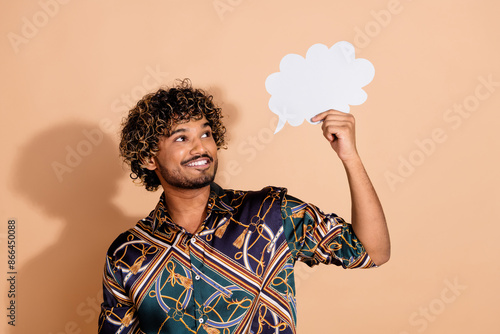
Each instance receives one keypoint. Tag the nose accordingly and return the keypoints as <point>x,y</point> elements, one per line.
<point>198,147</point>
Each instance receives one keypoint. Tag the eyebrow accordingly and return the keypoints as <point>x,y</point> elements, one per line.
<point>207,124</point>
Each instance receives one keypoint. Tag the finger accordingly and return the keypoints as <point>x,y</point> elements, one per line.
<point>337,123</point>
<point>339,120</point>
<point>321,116</point>
<point>331,132</point>
<point>335,127</point>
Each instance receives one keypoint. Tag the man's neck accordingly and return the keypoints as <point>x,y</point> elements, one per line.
<point>187,207</point>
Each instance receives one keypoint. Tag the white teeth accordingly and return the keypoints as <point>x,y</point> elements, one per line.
<point>198,163</point>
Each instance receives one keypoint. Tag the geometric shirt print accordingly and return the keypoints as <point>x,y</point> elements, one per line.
<point>234,275</point>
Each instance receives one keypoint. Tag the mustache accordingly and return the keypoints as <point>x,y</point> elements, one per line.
<point>206,155</point>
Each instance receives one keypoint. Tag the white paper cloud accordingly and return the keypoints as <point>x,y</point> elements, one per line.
<point>327,78</point>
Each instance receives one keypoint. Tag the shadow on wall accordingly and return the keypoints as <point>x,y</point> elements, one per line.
<point>70,172</point>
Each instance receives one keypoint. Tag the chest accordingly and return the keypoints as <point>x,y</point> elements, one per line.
<point>218,278</point>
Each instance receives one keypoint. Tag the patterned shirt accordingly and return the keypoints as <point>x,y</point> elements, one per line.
<point>234,275</point>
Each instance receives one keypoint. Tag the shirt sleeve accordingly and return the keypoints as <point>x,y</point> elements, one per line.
<point>117,310</point>
<point>315,237</point>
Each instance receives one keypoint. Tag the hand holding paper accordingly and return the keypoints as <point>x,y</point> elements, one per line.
<point>339,129</point>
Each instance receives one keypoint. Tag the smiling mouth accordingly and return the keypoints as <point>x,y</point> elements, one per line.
<point>199,162</point>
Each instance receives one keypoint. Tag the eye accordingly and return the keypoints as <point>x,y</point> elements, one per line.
<point>207,134</point>
<point>180,139</point>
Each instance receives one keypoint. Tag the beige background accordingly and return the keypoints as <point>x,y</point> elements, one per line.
<point>70,70</point>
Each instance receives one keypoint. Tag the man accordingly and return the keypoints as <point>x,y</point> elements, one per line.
<point>210,260</point>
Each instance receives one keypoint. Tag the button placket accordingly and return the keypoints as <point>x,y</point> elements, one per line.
<point>197,282</point>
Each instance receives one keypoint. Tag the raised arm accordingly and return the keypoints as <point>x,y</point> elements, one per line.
<point>368,220</point>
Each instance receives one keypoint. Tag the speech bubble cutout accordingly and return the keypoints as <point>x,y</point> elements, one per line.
<point>327,78</point>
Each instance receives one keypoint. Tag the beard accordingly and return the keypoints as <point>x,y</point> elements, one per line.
<point>176,179</point>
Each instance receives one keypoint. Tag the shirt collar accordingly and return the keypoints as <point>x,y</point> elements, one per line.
<point>217,201</point>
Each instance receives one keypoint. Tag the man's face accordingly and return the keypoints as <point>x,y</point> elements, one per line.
<point>187,159</point>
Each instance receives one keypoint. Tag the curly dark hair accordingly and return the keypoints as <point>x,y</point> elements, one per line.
<point>153,117</point>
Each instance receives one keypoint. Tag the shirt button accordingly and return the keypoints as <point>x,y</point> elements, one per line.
<point>200,320</point>
<point>193,240</point>
<point>197,277</point>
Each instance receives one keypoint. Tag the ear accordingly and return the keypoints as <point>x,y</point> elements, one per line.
<point>150,163</point>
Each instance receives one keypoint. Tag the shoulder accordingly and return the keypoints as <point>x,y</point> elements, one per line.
<point>237,197</point>
<point>250,193</point>
<point>257,205</point>
<point>120,242</point>
<point>130,236</point>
